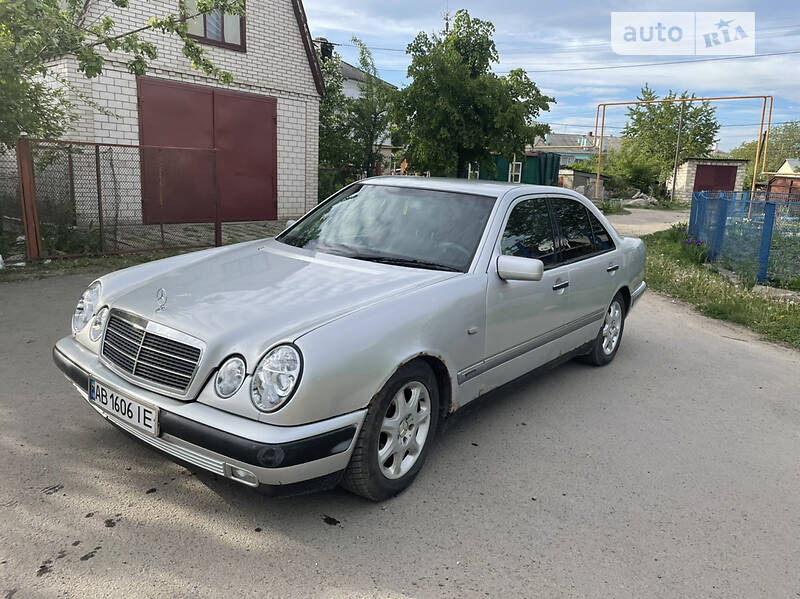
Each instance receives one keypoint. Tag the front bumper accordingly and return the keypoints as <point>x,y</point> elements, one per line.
<point>253,453</point>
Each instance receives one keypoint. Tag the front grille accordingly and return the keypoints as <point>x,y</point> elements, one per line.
<point>131,347</point>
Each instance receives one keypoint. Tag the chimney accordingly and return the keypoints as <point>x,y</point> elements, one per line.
<point>325,48</point>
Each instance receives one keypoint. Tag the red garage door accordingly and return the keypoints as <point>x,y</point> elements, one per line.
<point>180,186</point>
<point>713,177</point>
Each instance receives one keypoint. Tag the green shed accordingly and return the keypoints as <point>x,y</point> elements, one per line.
<point>537,168</point>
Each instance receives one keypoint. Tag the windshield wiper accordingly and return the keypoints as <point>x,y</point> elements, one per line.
<point>405,262</point>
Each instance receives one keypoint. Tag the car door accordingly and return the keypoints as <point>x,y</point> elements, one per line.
<point>523,317</point>
<point>587,249</point>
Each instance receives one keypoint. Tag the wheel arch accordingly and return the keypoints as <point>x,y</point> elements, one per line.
<point>444,383</point>
<point>626,296</point>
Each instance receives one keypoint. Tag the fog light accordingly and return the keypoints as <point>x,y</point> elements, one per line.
<point>241,475</point>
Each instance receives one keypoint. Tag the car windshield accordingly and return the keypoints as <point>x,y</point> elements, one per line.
<point>397,225</point>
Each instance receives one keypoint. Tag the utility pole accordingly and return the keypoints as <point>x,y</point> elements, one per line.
<point>677,153</point>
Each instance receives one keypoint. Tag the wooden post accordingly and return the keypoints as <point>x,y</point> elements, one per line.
<point>27,186</point>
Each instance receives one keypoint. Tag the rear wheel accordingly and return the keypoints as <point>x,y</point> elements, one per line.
<point>396,436</point>
<point>610,336</point>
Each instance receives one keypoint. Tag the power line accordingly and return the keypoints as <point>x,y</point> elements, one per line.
<point>764,33</point>
<point>632,66</point>
<point>774,124</point>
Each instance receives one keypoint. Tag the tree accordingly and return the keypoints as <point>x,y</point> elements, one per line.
<point>655,128</point>
<point>456,112</point>
<point>629,167</point>
<point>336,148</point>
<point>784,142</point>
<point>35,101</point>
<point>369,113</point>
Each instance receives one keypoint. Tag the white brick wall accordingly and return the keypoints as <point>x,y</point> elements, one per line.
<point>274,65</point>
<point>687,172</point>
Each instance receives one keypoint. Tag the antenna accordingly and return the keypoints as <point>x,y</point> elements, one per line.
<point>447,16</point>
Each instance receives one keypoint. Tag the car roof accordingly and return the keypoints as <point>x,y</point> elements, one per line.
<point>474,187</point>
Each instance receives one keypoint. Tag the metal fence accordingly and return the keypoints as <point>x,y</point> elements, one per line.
<point>12,241</point>
<point>753,233</point>
<point>83,199</point>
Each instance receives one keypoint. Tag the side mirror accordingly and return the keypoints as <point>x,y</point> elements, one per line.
<point>290,223</point>
<point>516,268</point>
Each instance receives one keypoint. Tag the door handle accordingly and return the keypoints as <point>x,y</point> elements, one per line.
<point>613,268</point>
<point>560,286</point>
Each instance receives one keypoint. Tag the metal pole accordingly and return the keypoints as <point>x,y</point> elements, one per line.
<point>217,211</point>
<point>600,158</point>
<point>71,177</point>
<point>766,139</point>
<point>99,195</point>
<point>161,197</point>
<point>677,153</point>
<point>758,146</point>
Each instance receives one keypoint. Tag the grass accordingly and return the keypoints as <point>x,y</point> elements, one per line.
<point>675,268</point>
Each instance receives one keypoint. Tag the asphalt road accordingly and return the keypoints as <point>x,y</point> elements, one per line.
<point>643,221</point>
<point>673,472</point>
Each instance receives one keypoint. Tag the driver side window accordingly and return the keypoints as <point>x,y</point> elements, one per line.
<point>529,232</point>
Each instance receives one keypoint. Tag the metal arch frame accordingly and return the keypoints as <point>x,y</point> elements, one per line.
<point>600,122</point>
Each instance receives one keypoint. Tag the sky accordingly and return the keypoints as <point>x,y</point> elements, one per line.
<point>548,36</point>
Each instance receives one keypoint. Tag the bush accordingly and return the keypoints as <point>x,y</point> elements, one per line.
<point>66,240</point>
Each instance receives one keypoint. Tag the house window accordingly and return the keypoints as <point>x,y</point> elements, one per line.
<point>515,172</point>
<point>473,171</point>
<point>216,28</point>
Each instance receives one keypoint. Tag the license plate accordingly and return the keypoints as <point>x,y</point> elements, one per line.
<point>132,412</point>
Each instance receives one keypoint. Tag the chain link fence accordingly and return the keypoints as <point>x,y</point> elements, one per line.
<point>12,240</point>
<point>756,234</point>
<point>93,199</point>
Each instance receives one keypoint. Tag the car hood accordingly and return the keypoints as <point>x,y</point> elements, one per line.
<point>244,298</point>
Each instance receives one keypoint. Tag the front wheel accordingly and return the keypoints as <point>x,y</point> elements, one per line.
<point>396,436</point>
<point>610,336</point>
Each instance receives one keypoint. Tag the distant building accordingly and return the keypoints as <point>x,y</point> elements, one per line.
<point>583,182</point>
<point>707,174</point>
<point>787,179</point>
<point>578,147</point>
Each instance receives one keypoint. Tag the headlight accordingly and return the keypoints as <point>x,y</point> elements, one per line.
<point>99,322</point>
<point>275,378</point>
<point>86,307</point>
<point>230,377</point>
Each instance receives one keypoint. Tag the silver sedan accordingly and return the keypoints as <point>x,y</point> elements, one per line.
<point>334,352</point>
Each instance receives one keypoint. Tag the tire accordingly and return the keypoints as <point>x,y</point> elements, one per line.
<point>401,419</point>
<point>610,334</point>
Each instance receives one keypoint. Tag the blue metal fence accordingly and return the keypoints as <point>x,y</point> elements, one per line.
<point>753,232</point>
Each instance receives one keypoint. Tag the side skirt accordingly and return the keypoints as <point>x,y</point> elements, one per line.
<point>551,365</point>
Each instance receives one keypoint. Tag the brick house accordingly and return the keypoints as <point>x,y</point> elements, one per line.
<point>265,125</point>
<point>707,174</point>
